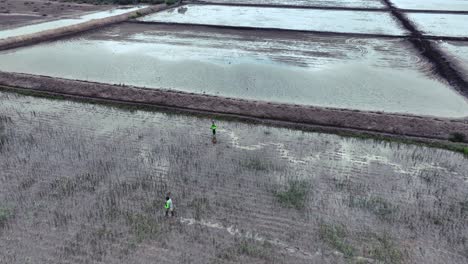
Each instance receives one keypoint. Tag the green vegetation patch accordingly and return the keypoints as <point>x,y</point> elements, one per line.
<point>295,194</point>
<point>255,163</point>
<point>66,186</point>
<point>457,137</point>
<point>385,250</point>
<point>142,226</point>
<point>335,236</point>
<point>4,120</point>
<point>201,205</point>
<point>5,215</point>
<point>376,205</point>
<point>249,248</point>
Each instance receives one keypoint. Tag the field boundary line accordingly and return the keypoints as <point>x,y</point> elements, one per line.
<point>66,31</point>
<point>424,128</point>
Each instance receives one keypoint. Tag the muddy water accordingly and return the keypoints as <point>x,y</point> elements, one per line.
<point>327,3</point>
<point>367,74</point>
<point>451,25</point>
<point>86,185</point>
<point>298,19</point>
<point>35,28</point>
<point>454,5</point>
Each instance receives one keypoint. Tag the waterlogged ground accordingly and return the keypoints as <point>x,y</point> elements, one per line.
<point>321,3</point>
<point>451,25</point>
<point>458,50</point>
<point>35,28</point>
<point>453,5</point>
<point>82,183</point>
<point>297,19</point>
<point>343,72</point>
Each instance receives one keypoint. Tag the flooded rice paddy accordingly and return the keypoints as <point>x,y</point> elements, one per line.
<point>84,183</point>
<point>451,25</point>
<point>453,5</point>
<point>321,3</point>
<point>366,74</point>
<point>458,51</point>
<point>35,28</point>
<point>296,19</point>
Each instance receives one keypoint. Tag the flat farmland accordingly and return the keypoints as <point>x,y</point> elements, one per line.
<point>83,183</point>
<point>319,3</point>
<point>280,18</point>
<point>287,67</point>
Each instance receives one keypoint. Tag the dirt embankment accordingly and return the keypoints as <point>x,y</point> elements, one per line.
<point>23,12</point>
<point>374,122</point>
<point>47,35</point>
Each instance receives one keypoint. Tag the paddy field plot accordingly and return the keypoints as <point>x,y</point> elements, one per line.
<point>450,25</point>
<point>84,183</point>
<point>320,3</point>
<point>342,72</point>
<point>458,51</point>
<point>452,5</point>
<point>293,19</point>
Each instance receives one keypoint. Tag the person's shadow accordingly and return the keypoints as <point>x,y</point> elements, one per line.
<point>213,140</point>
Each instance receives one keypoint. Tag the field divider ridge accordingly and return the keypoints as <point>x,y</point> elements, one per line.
<point>443,65</point>
<point>399,125</point>
<point>53,34</point>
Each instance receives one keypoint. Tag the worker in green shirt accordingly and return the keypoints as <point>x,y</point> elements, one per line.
<point>213,127</point>
<point>169,206</point>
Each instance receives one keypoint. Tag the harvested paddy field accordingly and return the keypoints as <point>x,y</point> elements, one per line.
<point>24,12</point>
<point>280,18</point>
<point>286,67</point>
<point>83,183</point>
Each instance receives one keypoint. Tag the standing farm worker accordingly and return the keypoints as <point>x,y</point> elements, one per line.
<point>169,206</point>
<point>213,127</point>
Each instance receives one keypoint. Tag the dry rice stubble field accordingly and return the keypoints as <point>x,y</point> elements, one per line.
<point>83,183</point>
